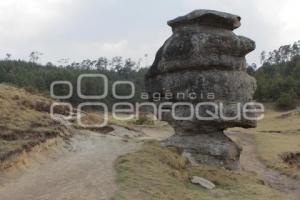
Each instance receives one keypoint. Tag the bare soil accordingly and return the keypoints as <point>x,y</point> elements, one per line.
<point>250,162</point>
<point>85,170</point>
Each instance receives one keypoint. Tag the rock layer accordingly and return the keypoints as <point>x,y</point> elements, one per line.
<point>204,58</point>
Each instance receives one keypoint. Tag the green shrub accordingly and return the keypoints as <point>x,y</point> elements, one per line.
<point>287,101</point>
<point>144,119</point>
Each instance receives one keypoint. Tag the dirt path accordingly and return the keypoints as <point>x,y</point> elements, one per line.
<point>85,171</point>
<point>250,162</point>
<point>156,133</point>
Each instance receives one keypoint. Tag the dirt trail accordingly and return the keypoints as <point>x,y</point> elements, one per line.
<point>156,133</point>
<point>85,171</point>
<point>250,162</point>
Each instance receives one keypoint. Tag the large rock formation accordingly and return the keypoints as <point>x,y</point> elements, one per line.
<point>204,61</point>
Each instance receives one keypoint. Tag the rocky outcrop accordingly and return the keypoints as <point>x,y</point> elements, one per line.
<point>204,62</point>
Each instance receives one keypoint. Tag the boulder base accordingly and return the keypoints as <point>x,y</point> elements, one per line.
<point>215,149</point>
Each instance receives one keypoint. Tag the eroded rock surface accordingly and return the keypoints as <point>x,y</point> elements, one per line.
<point>204,61</point>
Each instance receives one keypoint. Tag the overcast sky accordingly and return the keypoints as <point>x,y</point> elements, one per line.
<point>79,29</point>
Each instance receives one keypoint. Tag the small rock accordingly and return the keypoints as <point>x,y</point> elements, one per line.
<point>203,182</point>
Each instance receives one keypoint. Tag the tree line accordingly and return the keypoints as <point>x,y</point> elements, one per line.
<point>38,78</point>
<point>278,79</point>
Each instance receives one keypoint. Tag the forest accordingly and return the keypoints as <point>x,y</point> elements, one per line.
<point>277,78</point>
<point>38,78</point>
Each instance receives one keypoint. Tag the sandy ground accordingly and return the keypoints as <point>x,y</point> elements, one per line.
<point>85,171</point>
<point>250,162</point>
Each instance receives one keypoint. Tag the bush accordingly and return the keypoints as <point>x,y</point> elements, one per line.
<point>144,119</point>
<point>287,101</point>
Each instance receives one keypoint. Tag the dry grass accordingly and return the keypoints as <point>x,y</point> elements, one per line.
<point>160,173</point>
<point>277,134</point>
<point>271,147</point>
<point>24,120</point>
<point>143,120</point>
<point>92,118</point>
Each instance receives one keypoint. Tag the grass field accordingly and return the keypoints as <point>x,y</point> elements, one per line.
<point>277,134</point>
<point>160,173</point>
<point>24,121</point>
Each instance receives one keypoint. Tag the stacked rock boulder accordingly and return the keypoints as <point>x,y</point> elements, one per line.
<point>204,61</point>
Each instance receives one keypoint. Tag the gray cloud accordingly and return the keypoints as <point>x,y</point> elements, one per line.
<point>88,29</point>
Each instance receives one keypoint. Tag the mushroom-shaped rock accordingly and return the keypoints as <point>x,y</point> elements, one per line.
<point>203,64</point>
<point>208,18</point>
